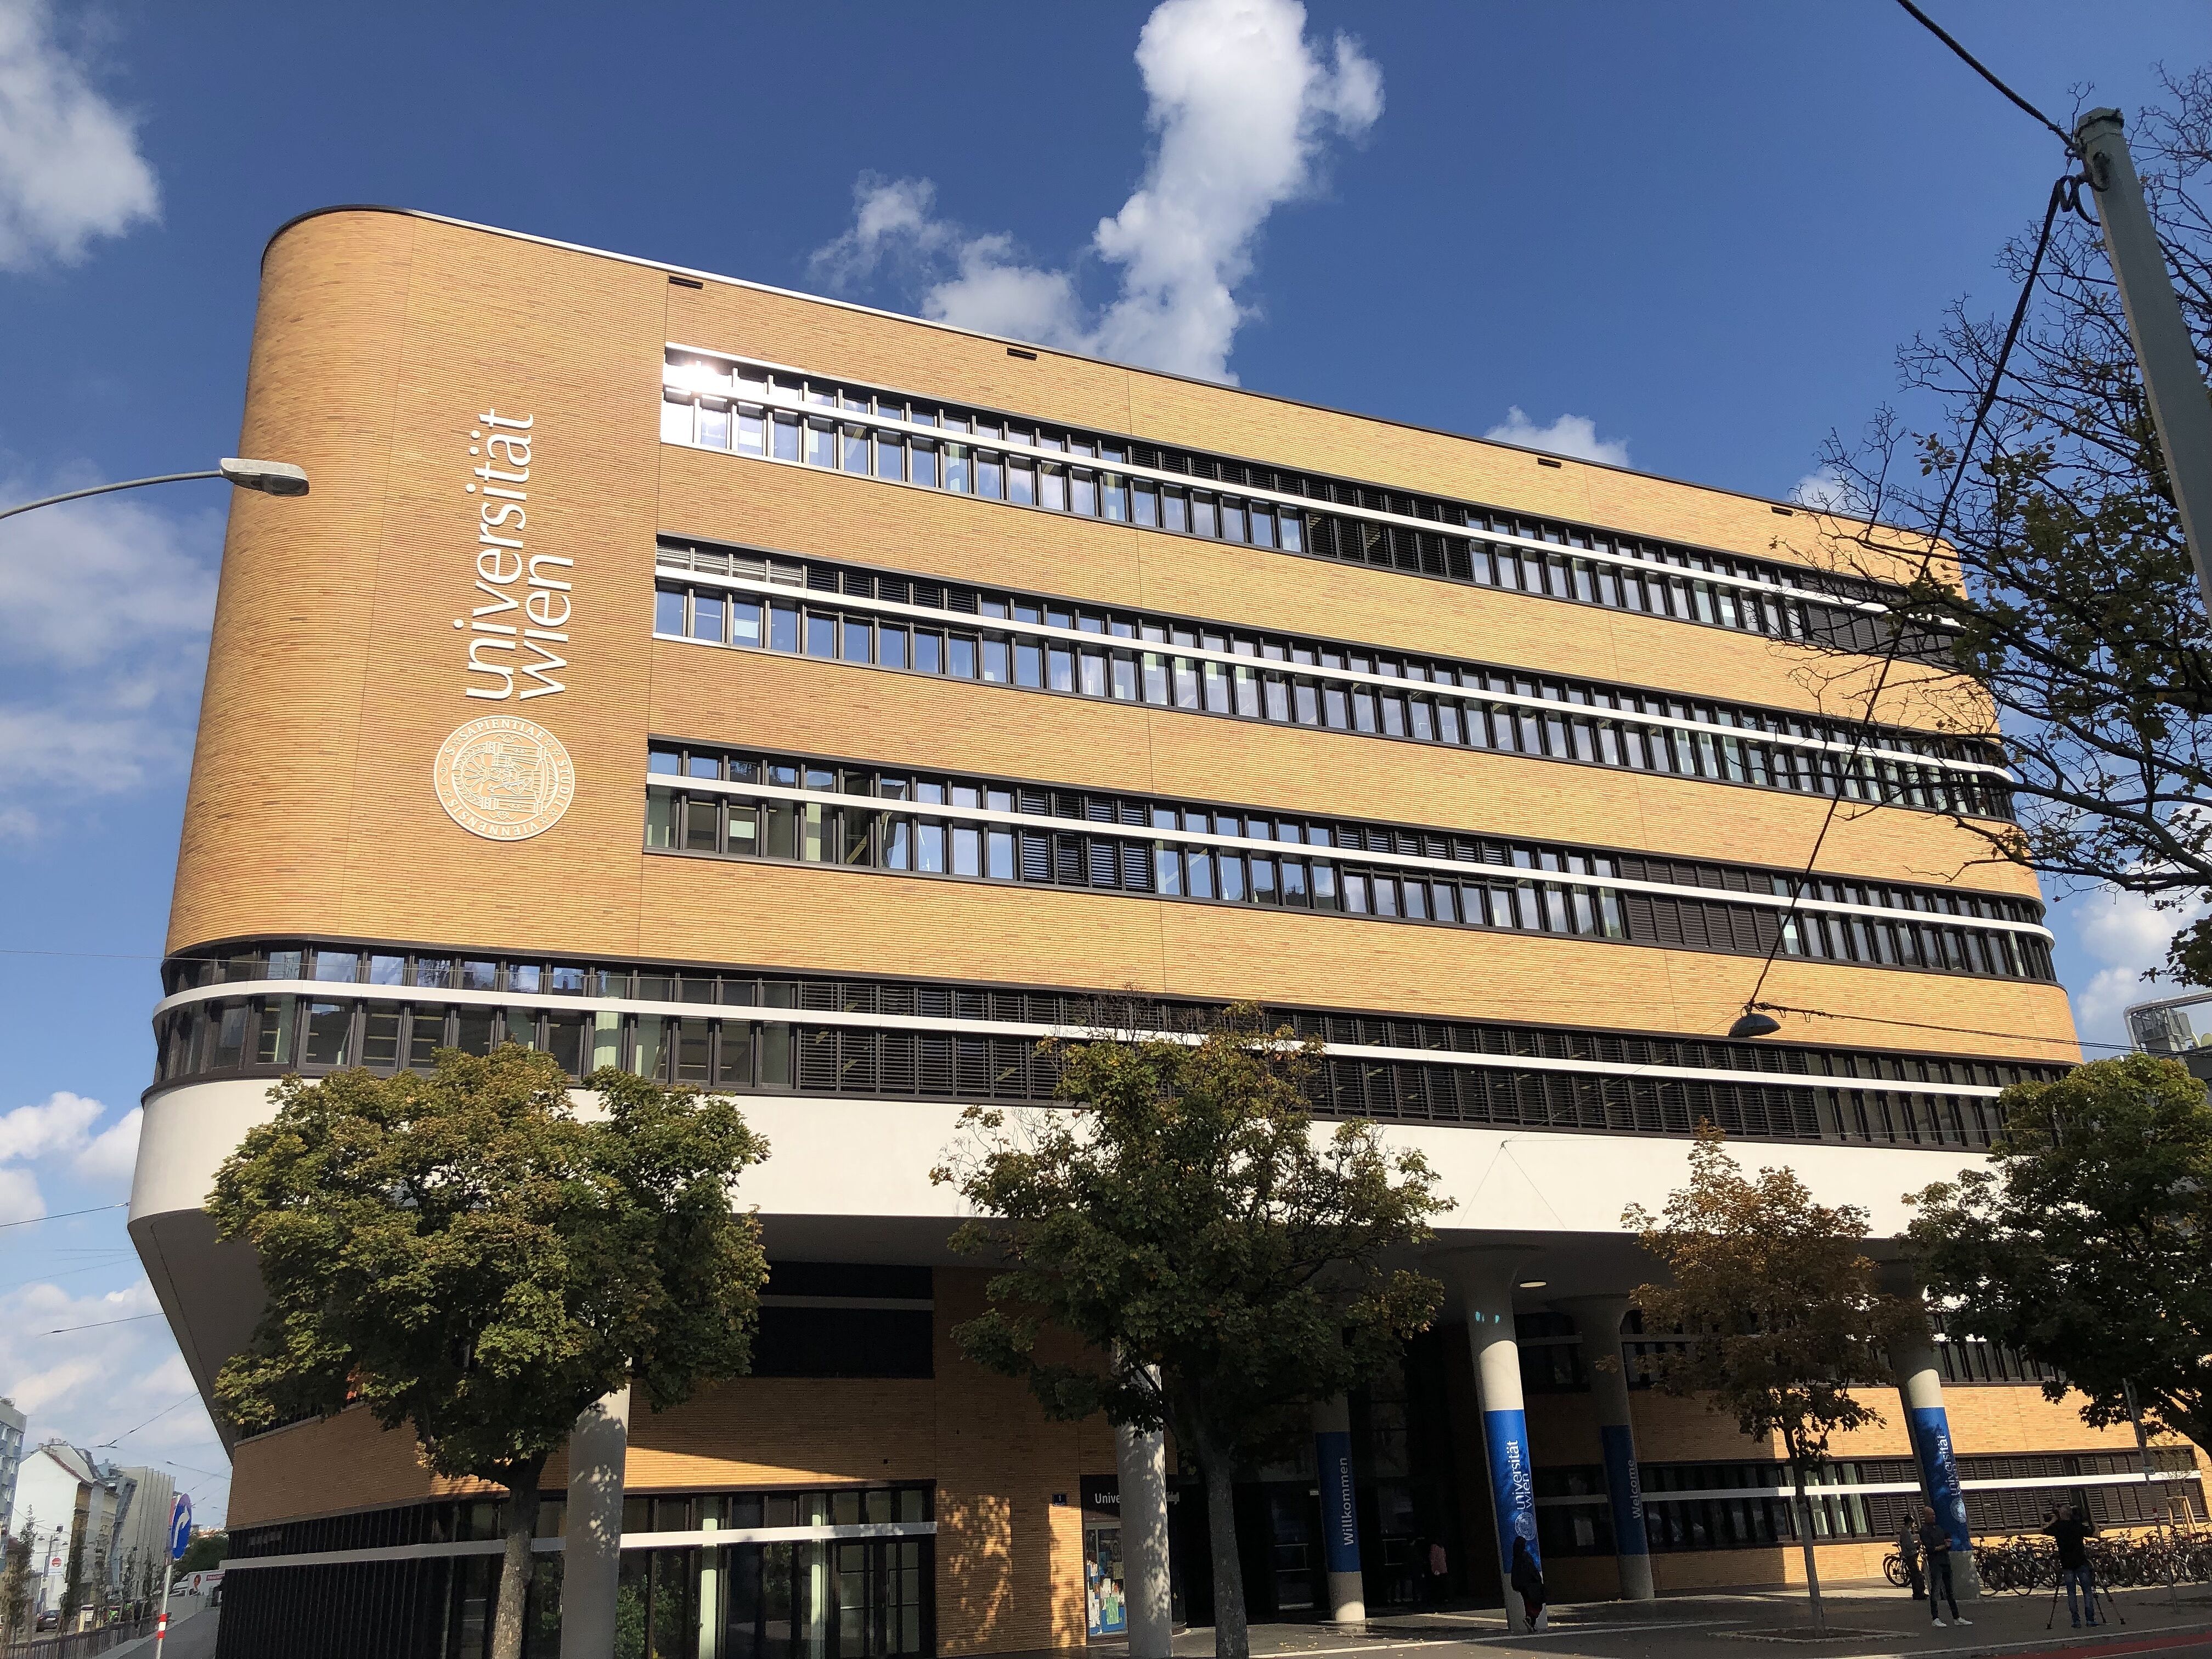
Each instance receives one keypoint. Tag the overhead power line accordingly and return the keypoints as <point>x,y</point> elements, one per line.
<point>97,1324</point>
<point>1934,540</point>
<point>63,1215</point>
<point>1984,71</point>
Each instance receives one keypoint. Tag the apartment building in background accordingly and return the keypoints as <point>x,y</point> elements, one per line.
<point>780,696</point>
<point>12,1424</point>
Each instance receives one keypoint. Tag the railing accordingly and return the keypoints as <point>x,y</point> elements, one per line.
<point>78,1645</point>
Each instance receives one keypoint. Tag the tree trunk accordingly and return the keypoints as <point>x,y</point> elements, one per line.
<point>1232,1637</point>
<point>521,1483</point>
<point>1805,1542</point>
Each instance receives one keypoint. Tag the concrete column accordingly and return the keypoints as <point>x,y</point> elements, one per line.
<point>591,1570</point>
<point>1486,1280</point>
<point>1920,1391</point>
<point>1140,1462</point>
<point>1340,1512</point>
<point>1599,1318</point>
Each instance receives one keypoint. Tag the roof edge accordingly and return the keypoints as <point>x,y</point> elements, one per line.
<point>697,274</point>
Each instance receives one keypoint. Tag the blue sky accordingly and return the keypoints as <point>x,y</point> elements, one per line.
<point>1699,230</point>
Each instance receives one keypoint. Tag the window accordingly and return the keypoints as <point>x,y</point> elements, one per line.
<point>1425,875</point>
<point>1475,706</point>
<point>1419,535</point>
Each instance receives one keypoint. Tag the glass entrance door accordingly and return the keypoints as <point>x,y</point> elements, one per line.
<point>880,1599</point>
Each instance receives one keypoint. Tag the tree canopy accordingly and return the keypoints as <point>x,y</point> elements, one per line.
<point>1219,1260</point>
<point>1779,1309</point>
<point>2087,1243</point>
<point>2074,620</point>
<point>465,1253</point>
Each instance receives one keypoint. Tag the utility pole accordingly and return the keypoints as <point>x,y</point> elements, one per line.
<point>2179,406</point>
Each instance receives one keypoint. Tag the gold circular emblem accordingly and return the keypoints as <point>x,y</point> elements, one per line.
<point>505,778</point>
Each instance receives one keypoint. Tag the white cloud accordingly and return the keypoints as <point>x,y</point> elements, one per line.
<point>70,171</point>
<point>109,602</point>
<point>1570,435</point>
<point>1243,107</point>
<point>20,1198</point>
<point>2125,935</point>
<point>111,1154</point>
<point>57,1124</point>
<point>1824,492</point>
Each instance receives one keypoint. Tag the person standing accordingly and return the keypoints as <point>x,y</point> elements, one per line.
<point>1528,1580</point>
<point>1935,1552</point>
<point>1436,1571</point>
<point>1908,1553</point>
<point>2072,1535</point>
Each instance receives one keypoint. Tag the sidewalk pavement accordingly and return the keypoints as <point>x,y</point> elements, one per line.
<point>1865,1622</point>
<point>182,1611</point>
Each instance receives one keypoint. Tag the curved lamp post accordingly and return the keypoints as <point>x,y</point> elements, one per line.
<point>269,477</point>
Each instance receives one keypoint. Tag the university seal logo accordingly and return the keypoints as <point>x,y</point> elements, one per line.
<point>505,778</point>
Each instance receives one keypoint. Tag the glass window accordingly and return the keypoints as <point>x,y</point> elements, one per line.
<point>890,646</point>
<point>821,444</point>
<point>856,641</point>
<point>854,448</point>
<point>782,628</point>
<point>1263,526</point>
<point>713,428</point>
<point>994,661</point>
<point>744,622</point>
<point>328,1026</point>
<point>821,635</point>
<point>787,437</point>
<point>956,472</point>
<point>1114,497</point>
<point>676,421</point>
<point>1202,515</point>
<point>1144,501</point>
<point>962,663</point>
<point>707,616</point>
<point>668,613</point>
<point>1293,533</point>
<point>890,456</point>
<point>929,653</point>
<point>752,431</point>
<point>1021,483</point>
<point>1232,521</point>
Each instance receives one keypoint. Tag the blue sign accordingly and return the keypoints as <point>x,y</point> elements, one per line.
<point>1939,1471</point>
<point>180,1526</point>
<point>1624,1486</point>
<point>1340,1514</point>
<point>1512,1483</point>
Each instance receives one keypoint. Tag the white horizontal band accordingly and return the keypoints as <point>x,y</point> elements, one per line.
<point>1207,486</point>
<point>1484,873</point>
<point>319,990</point>
<point>2026,1483</point>
<point>1303,671</point>
<point>630,1540</point>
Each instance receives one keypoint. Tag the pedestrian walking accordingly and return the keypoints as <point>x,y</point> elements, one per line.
<point>1527,1582</point>
<point>2072,1535</point>
<point>1908,1553</point>
<point>1935,1552</point>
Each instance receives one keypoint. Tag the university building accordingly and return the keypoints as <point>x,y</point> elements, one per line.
<point>779,697</point>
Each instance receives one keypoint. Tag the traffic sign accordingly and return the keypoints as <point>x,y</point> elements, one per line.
<point>180,1526</point>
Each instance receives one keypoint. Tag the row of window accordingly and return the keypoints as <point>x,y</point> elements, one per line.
<point>1551,1359</point>
<point>1297,863</point>
<point>1431,707</point>
<point>725,403</point>
<point>810,1599</point>
<point>247,962</point>
<point>270,1035</point>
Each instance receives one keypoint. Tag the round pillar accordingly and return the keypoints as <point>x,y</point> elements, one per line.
<point>1598,1318</point>
<point>1340,1512</point>
<point>1484,1279</point>
<point>1140,1462</point>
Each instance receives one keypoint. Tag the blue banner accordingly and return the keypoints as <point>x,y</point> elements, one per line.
<point>1340,1514</point>
<point>1512,1483</point>
<point>1625,1487</point>
<point>1939,1471</point>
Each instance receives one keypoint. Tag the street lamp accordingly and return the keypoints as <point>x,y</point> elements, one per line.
<point>269,477</point>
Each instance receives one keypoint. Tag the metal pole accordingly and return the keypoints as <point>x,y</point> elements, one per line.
<point>161,1623</point>
<point>2178,405</point>
<point>102,489</point>
<point>2165,1488</point>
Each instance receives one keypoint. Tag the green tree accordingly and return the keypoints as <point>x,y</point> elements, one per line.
<point>1218,1258</point>
<point>464,1252</point>
<point>16,1579</point>
<point>2084,1243</point>
<point>1779,1311</point>
<point>2073,622</point>
<point>73,1579</point>
<point>207,1550</point>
